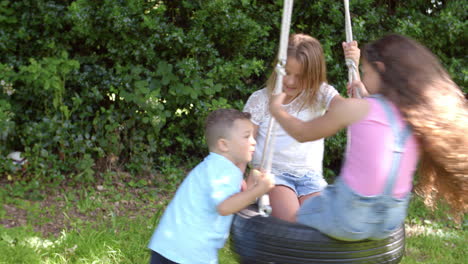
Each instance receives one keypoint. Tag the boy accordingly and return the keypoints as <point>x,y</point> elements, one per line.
<point>196,222</point>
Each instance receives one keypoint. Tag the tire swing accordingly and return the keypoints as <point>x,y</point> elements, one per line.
<point>268,240</point>
<point>259,238</point>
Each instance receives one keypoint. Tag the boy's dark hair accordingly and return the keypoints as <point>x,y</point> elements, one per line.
<point>219,122</point>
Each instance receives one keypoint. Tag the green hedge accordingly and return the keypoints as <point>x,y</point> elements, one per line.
<point>111,85</point>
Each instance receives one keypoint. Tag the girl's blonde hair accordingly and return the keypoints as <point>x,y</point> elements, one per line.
<point>437,110</point>
<point>309,53</point>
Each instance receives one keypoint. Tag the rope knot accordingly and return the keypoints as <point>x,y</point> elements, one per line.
<point>350,64</point>
<point>281,68</point>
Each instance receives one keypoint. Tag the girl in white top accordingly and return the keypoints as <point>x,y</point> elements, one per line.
<point>297,166</point>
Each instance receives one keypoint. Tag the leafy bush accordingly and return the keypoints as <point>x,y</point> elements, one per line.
<point>125,85</point>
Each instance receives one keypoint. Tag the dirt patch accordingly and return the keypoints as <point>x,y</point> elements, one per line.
<point>54,213</point>
<point>15,216</point>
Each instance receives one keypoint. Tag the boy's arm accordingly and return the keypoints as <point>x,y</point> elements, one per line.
<point>239,201</point>
<point>243,186</point>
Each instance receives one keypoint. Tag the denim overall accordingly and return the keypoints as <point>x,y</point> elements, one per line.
<point>346,215</point>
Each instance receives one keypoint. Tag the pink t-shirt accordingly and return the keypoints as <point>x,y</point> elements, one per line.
<point>369,154</point>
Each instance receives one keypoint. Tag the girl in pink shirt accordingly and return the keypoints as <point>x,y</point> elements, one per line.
<point>414,112</point>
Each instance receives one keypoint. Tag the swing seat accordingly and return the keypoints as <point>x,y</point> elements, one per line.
<point>268,240</point>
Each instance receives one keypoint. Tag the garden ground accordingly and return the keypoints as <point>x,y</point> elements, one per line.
<point>111,222</point>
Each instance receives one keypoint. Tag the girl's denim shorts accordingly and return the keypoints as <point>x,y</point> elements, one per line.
<point>345,215</point>
<point>311,182</point>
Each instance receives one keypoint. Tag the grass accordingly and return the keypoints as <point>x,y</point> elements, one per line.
<point>114,224</point>
<point>120,242</point>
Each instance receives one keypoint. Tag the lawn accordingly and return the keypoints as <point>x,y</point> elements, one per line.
<point>112,223</point>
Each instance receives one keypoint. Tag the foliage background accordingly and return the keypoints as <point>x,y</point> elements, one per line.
<point>91,87</point>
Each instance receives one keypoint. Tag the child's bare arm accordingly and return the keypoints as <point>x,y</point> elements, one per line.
<point>339,115</point>
<point>240,200</point>
<point>357,87</point>
<point>243,186</point>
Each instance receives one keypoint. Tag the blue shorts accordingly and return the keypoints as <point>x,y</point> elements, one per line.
<point>311,182</point>
<point>346,215</point>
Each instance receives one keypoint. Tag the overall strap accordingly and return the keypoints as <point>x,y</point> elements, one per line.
<point>400,138</point>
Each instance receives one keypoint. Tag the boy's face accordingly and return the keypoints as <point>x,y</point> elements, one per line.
<point>240,141</point>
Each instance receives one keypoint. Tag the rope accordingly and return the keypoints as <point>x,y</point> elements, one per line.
<point>352,67</point>
<point>267,157</point>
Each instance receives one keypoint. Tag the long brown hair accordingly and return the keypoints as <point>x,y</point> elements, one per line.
<point>309,53</point>
<point>415,81</point>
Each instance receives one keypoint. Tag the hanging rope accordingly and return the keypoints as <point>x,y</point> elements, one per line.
<point>267,156</point>
<point>352,67</point>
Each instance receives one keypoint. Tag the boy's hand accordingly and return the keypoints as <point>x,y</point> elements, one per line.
<point>254,175</point>
<point>251,179</point>
<point>264,181</point>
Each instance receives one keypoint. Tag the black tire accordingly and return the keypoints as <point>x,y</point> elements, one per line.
<point>268,240</point>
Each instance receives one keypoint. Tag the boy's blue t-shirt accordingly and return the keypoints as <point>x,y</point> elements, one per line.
<point>191,230</point>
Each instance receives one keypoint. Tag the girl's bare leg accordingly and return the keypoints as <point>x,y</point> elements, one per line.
<point>284,203</point>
